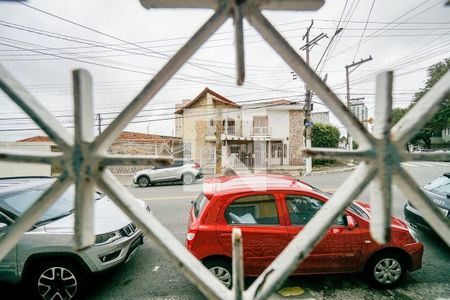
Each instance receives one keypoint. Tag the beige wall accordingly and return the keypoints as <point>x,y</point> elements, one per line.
<point>10,169</point>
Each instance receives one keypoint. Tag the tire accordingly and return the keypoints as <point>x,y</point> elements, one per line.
<point>188,178</point>
<point>385,270</point>
<point>143,181</point>
<point>56,280</point>
<point>221,269</point>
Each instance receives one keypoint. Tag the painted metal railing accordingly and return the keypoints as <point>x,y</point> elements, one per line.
<point>85,160</point>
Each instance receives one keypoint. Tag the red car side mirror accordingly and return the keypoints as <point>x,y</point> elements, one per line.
<point>351,223</point>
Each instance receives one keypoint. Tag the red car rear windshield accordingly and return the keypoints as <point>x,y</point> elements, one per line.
<point>199,204</point>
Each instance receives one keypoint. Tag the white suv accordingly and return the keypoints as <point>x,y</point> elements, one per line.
<point>45,258</point>
<point>180,170</point>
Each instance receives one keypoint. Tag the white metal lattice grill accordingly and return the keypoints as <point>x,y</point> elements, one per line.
<point>85,159</point>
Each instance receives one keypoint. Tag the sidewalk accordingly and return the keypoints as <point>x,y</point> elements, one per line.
<point>127,180</point>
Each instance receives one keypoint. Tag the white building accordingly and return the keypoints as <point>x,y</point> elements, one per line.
<point>260,135</point>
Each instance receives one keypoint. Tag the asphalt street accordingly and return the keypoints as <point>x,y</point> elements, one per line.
<point>152,276</point>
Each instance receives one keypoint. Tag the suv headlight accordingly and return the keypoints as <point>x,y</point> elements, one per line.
<point>106,238</point>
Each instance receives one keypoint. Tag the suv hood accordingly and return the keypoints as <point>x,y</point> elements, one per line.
<point>107,217</point>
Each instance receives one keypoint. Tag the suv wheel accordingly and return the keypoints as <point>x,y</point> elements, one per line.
<point>57,280</point>
<point>143,181</point>
<point>221,269</point>
<point>385,270</point>
<point>188,178</point>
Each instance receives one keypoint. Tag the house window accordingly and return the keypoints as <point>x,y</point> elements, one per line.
<point>234,148</point>
<point>230,126</point>
<point>260,125</point>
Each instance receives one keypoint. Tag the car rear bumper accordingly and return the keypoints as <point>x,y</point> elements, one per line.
<point>416,253</point>
<point>414,218</point>
<point>199,175</point>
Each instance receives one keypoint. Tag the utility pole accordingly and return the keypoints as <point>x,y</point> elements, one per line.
<point>99,118</point>
<point>353,65</point>
<point>219,130</point>
<point>308,95</point>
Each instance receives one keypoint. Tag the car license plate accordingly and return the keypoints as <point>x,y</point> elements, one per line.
<point>444,211</point>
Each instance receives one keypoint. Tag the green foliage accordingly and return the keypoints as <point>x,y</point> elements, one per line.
<point>441,119</point>
<point>324,136</point>
<point>398,113</point>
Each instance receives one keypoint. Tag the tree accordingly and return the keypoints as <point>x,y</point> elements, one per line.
<point>441,119</point>
<point>324,136</point>
<point>398,113</point>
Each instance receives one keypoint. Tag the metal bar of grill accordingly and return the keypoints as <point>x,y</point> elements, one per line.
<point>84,187</point>
<point>305,241</point>
<point>331,153</point>
<point>280,45</point>
<point>238,264</point>
<point>34,109</point>
<point>380,189</point>
<point>161,78</point>
<point>185,261</point>
<point>214,4</point>
<point>32,215</point>
<point>31,157</point>
<point>426,156</point>
<point>122,160</point>
<point>239,43</point>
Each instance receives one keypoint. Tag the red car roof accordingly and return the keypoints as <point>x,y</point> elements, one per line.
<point>253,182</point>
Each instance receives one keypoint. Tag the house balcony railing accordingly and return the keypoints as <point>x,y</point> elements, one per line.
<point>261,131</point>
<point>228,130</point>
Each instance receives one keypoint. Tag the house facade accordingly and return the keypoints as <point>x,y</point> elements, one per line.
<point>260,135</point>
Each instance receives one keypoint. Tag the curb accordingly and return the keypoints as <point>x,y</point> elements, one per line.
<point>332,171</point>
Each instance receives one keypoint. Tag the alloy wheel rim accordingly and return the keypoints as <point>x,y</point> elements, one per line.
<point>57,283</point>
<point>387,271</point>
<point>187,179</point>
<point>143,181</point>
<point>222,274</point>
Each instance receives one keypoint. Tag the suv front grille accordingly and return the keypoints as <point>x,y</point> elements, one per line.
<point>128,230</point>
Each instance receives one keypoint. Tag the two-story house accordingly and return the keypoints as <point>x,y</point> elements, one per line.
<point>260,135</point>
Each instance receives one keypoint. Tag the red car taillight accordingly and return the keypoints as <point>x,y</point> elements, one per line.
<point>190,237</point>
<point>196,166</point>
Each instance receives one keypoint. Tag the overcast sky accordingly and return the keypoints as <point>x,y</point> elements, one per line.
<point>123,45</point>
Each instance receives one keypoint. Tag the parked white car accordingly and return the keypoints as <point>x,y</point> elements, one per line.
<point>186,171</point>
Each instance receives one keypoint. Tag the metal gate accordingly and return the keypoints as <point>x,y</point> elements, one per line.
<point>84,159</point>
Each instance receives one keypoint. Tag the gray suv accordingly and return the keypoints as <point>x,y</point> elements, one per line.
<point>45,259</point>
<point>180,170</point>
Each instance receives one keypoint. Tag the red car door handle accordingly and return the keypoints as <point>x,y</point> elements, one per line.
<point>225,234</point>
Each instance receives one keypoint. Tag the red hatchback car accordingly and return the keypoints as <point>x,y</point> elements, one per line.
<point>271,210</point>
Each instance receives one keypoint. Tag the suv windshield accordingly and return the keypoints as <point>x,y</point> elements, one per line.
<point>440,185</point>
<point>17,203</point>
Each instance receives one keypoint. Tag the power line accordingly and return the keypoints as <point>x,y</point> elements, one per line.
<point>365,26</point>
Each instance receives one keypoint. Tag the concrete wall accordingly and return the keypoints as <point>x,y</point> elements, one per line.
<point>9,169</point>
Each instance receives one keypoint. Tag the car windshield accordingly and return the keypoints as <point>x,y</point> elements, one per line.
<point>440,185</point>
<point>18,203</point>
<point>353,207</point>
